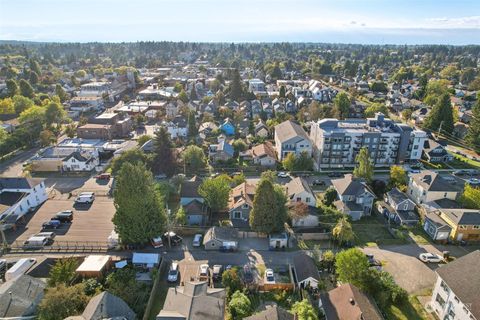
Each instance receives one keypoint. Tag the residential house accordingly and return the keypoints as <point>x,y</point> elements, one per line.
<point>347,302</point>
<point>465,224</point>
<point>189,191</point>
<point>18,196</point>
<point>305,271</point>
<point>298,190</point>
<point>460,130</point>
<point>207,128</point>
<point>355,197</point>
<point>20,297</point>
<point>145,261</point>
<point>216,237</point>
<point>105,306</point>
<point>291,138</point>
<point>434,152</point>
<point>222,151</point>
<point>243,127</point>
<point>196,212</point>
<point>256,85</point>
<point>255,108</point>
<point>428,186</point>
<point>436,227</point>
<point>177,127</point>
<point>398,208</point>
<point>273,312</point>
<point>227,127</point>
<point>196,300</point>
<point>240,203</point>
<point>263,155</point>
<point>63,159</point>
<point>261,129</point>
<point>455,295</point>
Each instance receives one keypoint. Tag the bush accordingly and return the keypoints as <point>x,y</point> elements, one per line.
<point>239,305</point>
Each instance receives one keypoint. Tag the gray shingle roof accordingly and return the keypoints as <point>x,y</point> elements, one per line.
<point>272,313</point>
<point>305,267</point>
<point>463,216</point>
<point>349,185</point>
<point>288,130</point>
<point>20,296</point>
<point>106,306</point>
<point>463,277</point>
<point>297,185</point>
<point>19,183</point>
<point>432,181</point>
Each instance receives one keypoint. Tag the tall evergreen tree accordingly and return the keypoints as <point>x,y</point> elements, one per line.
<point>262,216</point>
<point>12,87</point>
<point>26,89</point>
<point>236,88</point>
<point>473,135</point>
<point>364,168</point>
<point>140,214</point>
<point>193,93</point>
<point>342,105</point>
<point>164,159</point>
<point>441,115</point>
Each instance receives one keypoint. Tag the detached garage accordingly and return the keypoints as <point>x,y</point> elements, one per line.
<point>305,271</point>
<point>94,266</point>
<point>216,237</point>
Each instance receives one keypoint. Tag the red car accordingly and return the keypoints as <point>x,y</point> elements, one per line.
<point>103,176</point>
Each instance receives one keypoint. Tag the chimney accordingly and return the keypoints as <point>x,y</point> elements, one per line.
<point>352,302</point>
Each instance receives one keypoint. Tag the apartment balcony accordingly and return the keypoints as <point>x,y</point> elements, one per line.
<point>382,147</point>
<point>383,141</point>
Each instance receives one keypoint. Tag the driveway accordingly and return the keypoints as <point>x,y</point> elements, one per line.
<point>402,263</point>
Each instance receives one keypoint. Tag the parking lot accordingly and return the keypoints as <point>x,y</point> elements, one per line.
<point>90,222</point>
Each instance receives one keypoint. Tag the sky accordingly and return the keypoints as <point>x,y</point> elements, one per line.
<point>454,22</point>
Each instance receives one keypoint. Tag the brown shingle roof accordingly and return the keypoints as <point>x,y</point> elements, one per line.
<point>243,193</point>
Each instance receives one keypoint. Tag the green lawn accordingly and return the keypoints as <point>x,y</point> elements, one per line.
<point>369,231</point>
<point>413,310</point>
<point>419,235</point>
<point>461,162</point>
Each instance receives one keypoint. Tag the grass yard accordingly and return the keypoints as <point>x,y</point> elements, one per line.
<point>370,231</point>
<point>461,162</point>
<point>419,235</point>
<point>413,310</point>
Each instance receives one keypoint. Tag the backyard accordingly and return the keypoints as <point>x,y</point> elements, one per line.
<point>372,231</point>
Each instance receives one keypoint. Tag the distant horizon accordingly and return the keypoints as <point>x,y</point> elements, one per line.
<point>317,21</point>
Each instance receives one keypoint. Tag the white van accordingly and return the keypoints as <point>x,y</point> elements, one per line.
<point>19,268</point>
<point>36,242</point>
<point>85,197</point>
<point>197,240</point>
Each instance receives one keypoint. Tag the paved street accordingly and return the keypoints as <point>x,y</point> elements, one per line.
<point>13,167</point>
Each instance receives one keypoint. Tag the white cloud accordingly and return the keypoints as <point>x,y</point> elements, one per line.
<point>462,22</point>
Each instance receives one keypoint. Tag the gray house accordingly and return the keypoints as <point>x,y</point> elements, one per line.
<point>291,138</point>
<point>399,208</point>
<point>436,227</point>
<point>189,191</point>
<point>106,306</point>
<point>217,237</point>
<point>20,297</point>
<point>240,203</point>
<point>355,197</point>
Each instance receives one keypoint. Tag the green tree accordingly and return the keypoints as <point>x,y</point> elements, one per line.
<point>60,92</point>
<point>473,134</point>
<point>289,162</point>
<point>342,105</point>
<point>236,88</point>
<point>379,86</point>
<point>265,206</point>
<point>182,96</point>
<point>71,130</point>
<point>35,66</point>
<point>63,272</point>
<point>178,87</point>
<point>215,191</point>
<point>352,267</point>
<point>343,232</point>
<point>407,114</point>
<point>194,158</point>
<point>33,78</point>
<point>12,87</point>
<point>304,310</point>
<point>282,92</point>
<point>276,73</point>
<point>132,156</point>
<point>26,89</point>
<point>181,216</point>
<point>239,305</point>
<point>143,139</point>
<point>32,114</point>
<point>364,167</point>
<point>3,135</point>
<point>80,73</point>
<point>124,285</point>
<point>239,145</point>
<point>7,106</point>
<point>441,114</point>
<point>398,177</point>
<point>54,113</point>
<point>61,302</point>
<point>470,197</point>
<point>374,108</point>
<point>231,281</point>
<point>21,103</point>
<point>47,138</point>
<point>303,162</point>
<point>329,196</point>
<point>140,214</point>
<point>164,160</point>
<point>238,179</point>
<point>192,125</point>
<point>193,93</point>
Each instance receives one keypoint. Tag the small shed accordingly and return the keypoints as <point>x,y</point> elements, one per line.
<point>145,260</point>
<point>305,271</point>
<point>94,266</point>
<point>216,237</point>
<point>278,241</point>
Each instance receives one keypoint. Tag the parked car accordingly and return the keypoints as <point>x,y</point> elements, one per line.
<point>318,182</point>
<point>51,224</point>
<point>335,174</point>
<point>64,216</point>
<point>269,276</point>
<point>228,247</point>
<point>282,174</point>
<point>372,261</point>
<point>157,242</point>
<point>430,257</point>
<point>217,272</point>
<point>204,271</point>
<point>197,240</point>
<point>35,242</point>
<point>161,176</point>
<point>85,198</point>
<point>247,274</point>
<point>103,176</point>
<point>473,181</point>
<point>49,235</point>
<point>460,173</point>
<point>173,272</point>
<point>174,238</point>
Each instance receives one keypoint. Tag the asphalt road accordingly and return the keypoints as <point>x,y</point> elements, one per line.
<point>13,167</point>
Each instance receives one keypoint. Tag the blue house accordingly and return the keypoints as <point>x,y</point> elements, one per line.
<point>228,128</point>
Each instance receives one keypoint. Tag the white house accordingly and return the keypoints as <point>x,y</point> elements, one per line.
<point>428,186</point>
<point>18,196</point>
<point>298,190</point>
<point>306,272</point>
<point>455,295</point>
<point>291,138</point>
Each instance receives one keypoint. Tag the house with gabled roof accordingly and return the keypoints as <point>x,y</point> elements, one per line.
<point>434,152</point>
<point>262,154</point>
<point>355,197</point>
<point>291,138</point>
<point>240,203</point>
<point>261,129</point>
<point>298,190</point>
<point>428,186</point>
<point>398,208</point>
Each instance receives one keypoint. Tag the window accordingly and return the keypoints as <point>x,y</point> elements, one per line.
<point>405,207</point>
<point>451,313</point>
<point>415,147</point>
<point>299,199</point>
<point>245,206</point>
<point>440,300</point>
<point>456,299</point>
<point>445,195</point>
<point>476,227</point>
<point>367,140</point>
<point>444,286</point>
<point>237,214</point>
<point>307,199</point>
<point>462,227</point>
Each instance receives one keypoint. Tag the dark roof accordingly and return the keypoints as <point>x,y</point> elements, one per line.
<point>189,188</point>
<point>347,302</point>
<point>407,215</point>
<point>220,233</point>
<point>195,207</point>
<point>272,313</point>
<point>432,181</point>
<point>305,267</point>
<point>106,306</point>
<point>436,220</point>
<point>463,216</point>
<point>463,277</point>
<point>348,185</point>
<point>20,296</point>
<point>19,183</point>
<point>397,196</point>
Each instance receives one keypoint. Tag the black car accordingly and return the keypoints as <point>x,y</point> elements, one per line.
<point>318,182</point>
<point>52,224</point>
<point>174,238</point>
<point>335,174</point>
<point>64,216</point>
<point>247,274</point>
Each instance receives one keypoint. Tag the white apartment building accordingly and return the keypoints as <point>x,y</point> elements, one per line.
<point>336,143</point>
<point>256,85</point>
<point>455,295</point>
